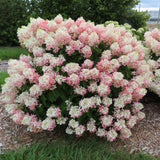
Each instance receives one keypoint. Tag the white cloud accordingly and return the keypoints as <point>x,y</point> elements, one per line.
<point>149,9</point>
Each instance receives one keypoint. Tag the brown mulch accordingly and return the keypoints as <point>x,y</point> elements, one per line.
<point>146,134</point>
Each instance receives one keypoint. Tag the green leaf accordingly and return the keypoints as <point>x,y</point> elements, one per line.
<point>43,99</point>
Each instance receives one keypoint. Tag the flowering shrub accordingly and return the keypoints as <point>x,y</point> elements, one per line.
<point>84,76</point>
<point>152,41</point>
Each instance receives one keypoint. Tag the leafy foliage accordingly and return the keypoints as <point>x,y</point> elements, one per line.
<point>97,11</point>
<point>15,13</point>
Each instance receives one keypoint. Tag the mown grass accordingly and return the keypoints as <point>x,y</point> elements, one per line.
<point>72,149</point>
<point>3,75</point>
<point>11,52</point>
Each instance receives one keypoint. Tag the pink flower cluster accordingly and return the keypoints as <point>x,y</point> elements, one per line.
<point>152,41</point>
<point>53,44</point>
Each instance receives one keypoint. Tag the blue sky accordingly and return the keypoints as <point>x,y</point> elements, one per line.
<point>150,3</point>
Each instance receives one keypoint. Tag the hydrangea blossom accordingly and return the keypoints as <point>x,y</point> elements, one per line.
<point>152,41</point>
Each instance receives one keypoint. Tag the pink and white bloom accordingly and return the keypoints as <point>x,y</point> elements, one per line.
<point>106,121</point>
<point>111,135</point>
<point>48,124</point>
<point>80,130</point>
<point>53,112</point>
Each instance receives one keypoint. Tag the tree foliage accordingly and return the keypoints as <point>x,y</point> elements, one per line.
<point>98,11</point>
<point>14,13</point>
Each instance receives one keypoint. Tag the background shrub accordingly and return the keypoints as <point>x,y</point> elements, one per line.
<point>138,33</point>
<point>97,11</point>
<point>15,13</point>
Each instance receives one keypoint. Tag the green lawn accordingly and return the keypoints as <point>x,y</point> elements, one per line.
<point>72,149</point>
<point>3,75</point>
<point>11,52</point>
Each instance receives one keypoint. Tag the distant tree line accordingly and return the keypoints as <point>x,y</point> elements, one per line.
<point>15,13</point>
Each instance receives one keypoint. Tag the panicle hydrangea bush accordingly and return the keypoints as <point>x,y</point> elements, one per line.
<point>152,41</point>
<point>86,77</point>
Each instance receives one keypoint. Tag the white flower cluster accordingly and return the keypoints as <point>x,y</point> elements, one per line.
<point>152,41</point>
